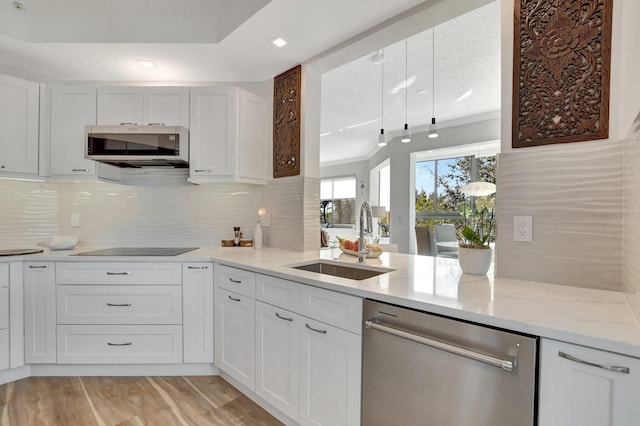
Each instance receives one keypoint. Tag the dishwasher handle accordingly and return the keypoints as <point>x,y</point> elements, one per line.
<point>506,365</point>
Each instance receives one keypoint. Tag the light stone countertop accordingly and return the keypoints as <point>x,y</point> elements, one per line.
<point>595,318</point>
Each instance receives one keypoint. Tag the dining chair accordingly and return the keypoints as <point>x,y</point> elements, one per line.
<point>424,241</point>
<point>446,240</point>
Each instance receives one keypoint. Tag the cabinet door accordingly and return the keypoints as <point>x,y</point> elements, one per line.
<point>72,108</point>
<point>16,314</point>
<point>19,114</point>
<point>330,363</point>
<point>40,312</point>
<point>166,106</point>
<point>120,105</point>
<point>197,311</point>
<point>576,388</point>
<point>235,335</point>
<point>252,141</point>
<point>213,131</point>
<point>277,358</point>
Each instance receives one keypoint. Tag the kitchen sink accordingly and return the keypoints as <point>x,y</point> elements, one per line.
<point>350,271</point>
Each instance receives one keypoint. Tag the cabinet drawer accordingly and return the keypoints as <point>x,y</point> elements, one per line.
<point>4,275</point>
<point>96,304</point>
<point>140,273</point>
<point>276,291</point>
<point>4,307</point>
<point>119,344</point>
<point>341,310</point>
<point>236,280</point>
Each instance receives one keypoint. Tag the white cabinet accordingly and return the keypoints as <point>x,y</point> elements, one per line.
<point>253,151</point>
<point>72,108</point>
<point>305,360</point>
<point>16,314</point>
<point>585,386</point>
<point>143,105</point>
<point>235,336</point>
<point>197,308</point>
<point>40,312</point>
<point>19,121</point>
<point>119,312</point>
<point>120,105</point>
<point>4,316</point>
<point>277,358</point>
<point>228,136</point>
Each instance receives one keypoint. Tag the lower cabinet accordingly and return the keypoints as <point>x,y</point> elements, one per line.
<point>197,312</point>
<point>277,358</point>
<point>330,364</point>
<point>39,313</point>
<point>235,336</point>
<point>119,344</point>
<point>4,316</point>
<point>585,386</point>
<point>307,368</point>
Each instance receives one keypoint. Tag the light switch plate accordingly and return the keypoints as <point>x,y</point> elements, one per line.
<point>75,220</point>
<point>523,228</point>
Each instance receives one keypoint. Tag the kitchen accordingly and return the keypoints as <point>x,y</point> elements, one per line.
<point>43,208</point>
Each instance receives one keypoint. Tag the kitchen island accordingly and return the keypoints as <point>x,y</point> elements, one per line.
<point>595,319</point>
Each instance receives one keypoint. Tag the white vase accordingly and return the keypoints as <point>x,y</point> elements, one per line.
<point>474,261</point>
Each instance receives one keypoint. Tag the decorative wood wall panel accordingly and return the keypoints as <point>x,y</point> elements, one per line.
<point>561,62</point>
<point>286,123</point>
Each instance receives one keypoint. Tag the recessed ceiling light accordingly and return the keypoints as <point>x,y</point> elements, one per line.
<point>353,126</point>
<point>422,91</point>
<point>147,64</point>
<point>325,134</point>
<point>464,96</point>
<point>279,41</point>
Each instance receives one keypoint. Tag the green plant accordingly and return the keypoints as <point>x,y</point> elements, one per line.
<point>478,223</point>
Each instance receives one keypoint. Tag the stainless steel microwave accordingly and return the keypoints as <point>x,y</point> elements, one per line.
<point>138,146</point>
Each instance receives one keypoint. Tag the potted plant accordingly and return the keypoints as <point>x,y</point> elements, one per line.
<point>474,250</point>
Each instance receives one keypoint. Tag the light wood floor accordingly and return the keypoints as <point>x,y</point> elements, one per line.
<point>127,401</point>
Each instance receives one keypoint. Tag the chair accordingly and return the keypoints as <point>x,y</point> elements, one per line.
<point>446,233</point>
<point>424,241</point>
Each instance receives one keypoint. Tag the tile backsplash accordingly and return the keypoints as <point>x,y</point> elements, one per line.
<point>157,209</point>
<point>631,219</point>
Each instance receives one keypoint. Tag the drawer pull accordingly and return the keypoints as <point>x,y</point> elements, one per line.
<point>118,304</point>
<point>284,318</point>
<point>38,266</point>
<point>79,170</point>
<point>119,344</point>
<point>118,273</point>
<point>614,368</point>
<point>197,267</point>
<point>233,280</point>
<point>233,298</point>
<point>315,329</point>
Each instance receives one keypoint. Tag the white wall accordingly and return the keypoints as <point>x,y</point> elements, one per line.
<point>573,191</point>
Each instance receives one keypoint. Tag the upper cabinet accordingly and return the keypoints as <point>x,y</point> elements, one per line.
<point>227,136</point>
<point>143,105</point>
<point>19,113</point>
<point>72,108</point>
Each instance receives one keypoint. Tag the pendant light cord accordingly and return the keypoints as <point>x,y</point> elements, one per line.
<point>382,94</point>
<point>406,80</point>
<point>433,72</point>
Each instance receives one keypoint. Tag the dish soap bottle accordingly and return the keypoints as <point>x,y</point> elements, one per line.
<point>257,236</point>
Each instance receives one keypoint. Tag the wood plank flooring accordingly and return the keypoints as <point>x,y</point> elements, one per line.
<point>127,401</point>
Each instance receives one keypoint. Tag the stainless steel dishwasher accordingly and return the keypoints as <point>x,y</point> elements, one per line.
<point>424,369</point>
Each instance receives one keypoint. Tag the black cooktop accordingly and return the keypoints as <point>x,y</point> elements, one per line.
<point>138,251</point>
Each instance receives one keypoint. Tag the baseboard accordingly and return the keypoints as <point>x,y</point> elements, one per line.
<point>124,370</point>
<point>14,374</point>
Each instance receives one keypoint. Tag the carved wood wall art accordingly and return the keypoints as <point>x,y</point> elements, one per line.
<point>286,123</point>
<point>561,63</point>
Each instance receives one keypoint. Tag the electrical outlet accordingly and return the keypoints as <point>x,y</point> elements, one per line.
<point>523,228</point>
<point>75,220</point>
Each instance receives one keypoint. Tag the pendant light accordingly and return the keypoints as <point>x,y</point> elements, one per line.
<point>406,133</point>
<point>433,128</point>
<point>382,139</point>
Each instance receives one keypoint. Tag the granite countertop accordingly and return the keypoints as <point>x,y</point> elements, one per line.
<point>595,318</point>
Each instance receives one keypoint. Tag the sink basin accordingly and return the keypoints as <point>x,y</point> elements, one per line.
<point>350,271</point>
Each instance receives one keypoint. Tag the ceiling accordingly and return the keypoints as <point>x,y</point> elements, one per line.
<point>467,86</point>
<point>188,40</point>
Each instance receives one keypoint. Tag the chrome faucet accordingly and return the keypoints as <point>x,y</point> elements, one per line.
<point>365,211</point>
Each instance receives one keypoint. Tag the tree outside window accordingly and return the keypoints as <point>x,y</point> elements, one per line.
<point>338,202</point>
<point>438,183</point>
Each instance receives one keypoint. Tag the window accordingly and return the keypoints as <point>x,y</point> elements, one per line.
<point>338,202</point>
<point>380,195</point>
<point>438,183</point>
